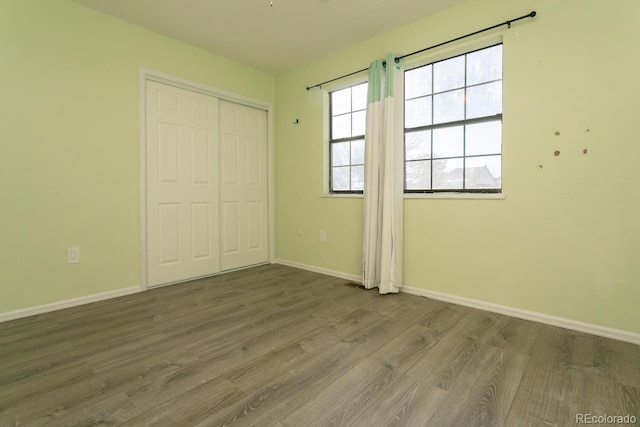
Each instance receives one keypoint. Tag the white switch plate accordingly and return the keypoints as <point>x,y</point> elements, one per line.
<point>73,255</point>
<point>323,237</point>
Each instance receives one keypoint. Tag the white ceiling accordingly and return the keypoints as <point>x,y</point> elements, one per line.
<point>271,35</point>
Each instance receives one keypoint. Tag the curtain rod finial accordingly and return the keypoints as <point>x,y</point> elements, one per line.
<point>533,13</point>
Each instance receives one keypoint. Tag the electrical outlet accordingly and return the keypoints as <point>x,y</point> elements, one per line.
<point>73,255</point>
<point>323,236</point>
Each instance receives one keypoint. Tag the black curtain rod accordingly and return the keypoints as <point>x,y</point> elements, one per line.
<point>507,23</point>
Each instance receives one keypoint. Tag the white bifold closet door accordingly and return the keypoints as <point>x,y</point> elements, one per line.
<point>243,186</point>
<point>182,184</point>
<point>207,191</point>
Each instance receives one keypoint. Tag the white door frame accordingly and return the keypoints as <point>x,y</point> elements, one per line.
<point>160,77</point>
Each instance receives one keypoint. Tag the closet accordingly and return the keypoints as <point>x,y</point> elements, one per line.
<point>206,185</point>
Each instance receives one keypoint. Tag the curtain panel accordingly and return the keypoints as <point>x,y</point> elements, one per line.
<point>383,178</point>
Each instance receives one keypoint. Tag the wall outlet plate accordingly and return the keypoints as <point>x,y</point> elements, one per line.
<point>73,255</point>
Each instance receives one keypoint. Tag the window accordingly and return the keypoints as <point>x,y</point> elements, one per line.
<point>453,124</point>
<point>346,143</point>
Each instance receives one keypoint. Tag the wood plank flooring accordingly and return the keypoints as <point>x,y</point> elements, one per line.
<point>278,346</point>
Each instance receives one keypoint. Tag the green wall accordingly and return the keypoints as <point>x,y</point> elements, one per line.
<point>69,168</point>
<point>566,240</point>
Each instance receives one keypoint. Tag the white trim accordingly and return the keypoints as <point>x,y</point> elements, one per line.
<point>575,325</point>
<point>160,77</point>
<point>482,196</point>
<point>449,51</point>
<point>342,195</point>
<point>345,82</point>
<point>320,270</point>
<point>59,305</point>
<point>142,123</point>
<point>169,79</point>
<point>326,136</point>
<point>271,185</point>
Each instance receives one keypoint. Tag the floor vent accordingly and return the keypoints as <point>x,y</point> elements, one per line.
<point>355,285</point>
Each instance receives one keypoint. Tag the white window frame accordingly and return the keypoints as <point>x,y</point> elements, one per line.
<point>431,126</point>
<point>411,63</point>
<point>329,191</point>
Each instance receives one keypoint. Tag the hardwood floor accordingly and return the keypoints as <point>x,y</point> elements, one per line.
<point>277,346</point>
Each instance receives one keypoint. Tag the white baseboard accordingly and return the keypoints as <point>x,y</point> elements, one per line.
<point>575,325</point>
<point>59,305</point>
<point>320,270</point>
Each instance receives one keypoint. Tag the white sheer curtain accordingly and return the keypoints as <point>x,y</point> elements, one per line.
<point>383,178</point>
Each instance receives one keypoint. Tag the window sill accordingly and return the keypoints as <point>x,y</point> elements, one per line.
<point>342,195</point>
<point>479,196</point>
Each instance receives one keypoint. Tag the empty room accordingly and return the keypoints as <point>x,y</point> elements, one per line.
<point>319,213</point>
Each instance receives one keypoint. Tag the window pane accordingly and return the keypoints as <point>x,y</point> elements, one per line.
<point>484,138</point>
<point>417,112</point>
<point>357,178</point>
<point>358,123</point>
<point>341,101</point>
<point>448,106</point>
<point>448,74</point>
<point>417,145</point>
<point>357,152</point>
<point>417,82</point>
<point>483,172</point>
<point>359,97</point>
<point>447,174</point>
<point>340,154</point>
<point>418,175</point>
<point>348,125</point>
<point>484,100</point>
<point>448,142</point>
<point>340,179</point>
<point>454,91</point>
<point>484,65</point>
<point>341,126</point>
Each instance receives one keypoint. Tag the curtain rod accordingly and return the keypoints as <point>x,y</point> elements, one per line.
<point>507,23</point>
